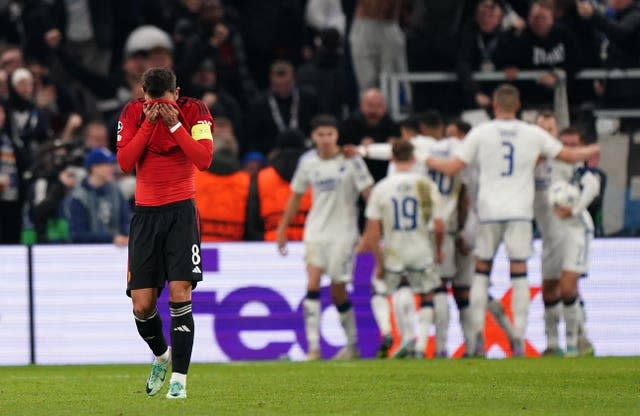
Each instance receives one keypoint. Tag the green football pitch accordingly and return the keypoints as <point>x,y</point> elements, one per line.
<point>549,386</point>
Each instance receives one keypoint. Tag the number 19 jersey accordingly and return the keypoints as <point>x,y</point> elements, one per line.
<point>506,152</point>
<point>405,203</point>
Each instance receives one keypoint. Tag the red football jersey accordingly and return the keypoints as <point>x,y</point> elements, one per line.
<point>165,162</point>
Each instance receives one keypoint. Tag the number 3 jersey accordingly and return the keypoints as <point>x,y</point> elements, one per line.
<point>405,203</point>
<point>336,184</point>
<point>506,152</point>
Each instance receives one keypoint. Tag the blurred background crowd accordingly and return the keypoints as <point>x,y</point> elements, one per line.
<point>264,68</point>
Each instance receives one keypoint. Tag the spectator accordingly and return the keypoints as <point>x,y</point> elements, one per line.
<point>223,43</point>
<point>271,191</point>
<point>283,106</point>
<point>622,50</point>
<point>95,135</point>
<point>13,163</point>
<point>206,86</point>
<point>371,123</point>
<point>222,193</point>
<point>87,27</point>
<point>26,124</point>
<point>146,46</point>
<point>96,209</point>
<point>377,42</point>
<point>54,180</point>
<point>479,42</point>
<point>543,45</point>
<point>252,162</point>
<point>326,14</point>
<point>325,74</point>
<point>272,30</point>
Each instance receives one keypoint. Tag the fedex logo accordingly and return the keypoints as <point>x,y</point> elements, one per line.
<point>232,325</point>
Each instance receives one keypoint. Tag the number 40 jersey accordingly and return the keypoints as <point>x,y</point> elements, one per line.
<point>506,153</point>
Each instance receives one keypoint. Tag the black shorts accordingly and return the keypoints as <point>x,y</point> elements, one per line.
<point>164,245</point>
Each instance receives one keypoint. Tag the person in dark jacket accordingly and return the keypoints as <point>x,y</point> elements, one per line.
<point>543,45</point>
<point>622,47</point>
<point>96,210</point>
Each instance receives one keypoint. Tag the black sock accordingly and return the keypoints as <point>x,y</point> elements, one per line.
<point>181,336</point>
<point>150,330</point>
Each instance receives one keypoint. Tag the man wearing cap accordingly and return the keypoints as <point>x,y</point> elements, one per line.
<point>96,209</point>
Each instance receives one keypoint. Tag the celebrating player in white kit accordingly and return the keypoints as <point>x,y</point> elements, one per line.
<point>569,259</point>
<point>401,208</point>
<point>331,229</point>
<point>506,151</point>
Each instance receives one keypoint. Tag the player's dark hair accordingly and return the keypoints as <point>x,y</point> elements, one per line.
<point>402,150</point>
<point>157,81</point>
<point>411,123</point>
<point>462,126</point>
<point>546,113</point>
<point>570,131</point>
<point>323,120</point>
<point>431,119</point>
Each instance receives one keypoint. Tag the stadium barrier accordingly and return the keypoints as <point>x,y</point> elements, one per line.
<point>249,305</point>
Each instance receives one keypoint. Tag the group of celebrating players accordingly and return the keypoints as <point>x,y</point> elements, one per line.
<point>443,199</point>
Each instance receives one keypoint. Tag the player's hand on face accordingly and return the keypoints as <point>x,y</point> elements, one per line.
<point>563,211</point>
<point>150,112</point>
<point>169,114</point>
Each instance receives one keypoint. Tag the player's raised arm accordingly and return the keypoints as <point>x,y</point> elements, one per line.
<point>449,167</point>
<point>132,141</point>
<point>578,154</point>
<point>198,146</point>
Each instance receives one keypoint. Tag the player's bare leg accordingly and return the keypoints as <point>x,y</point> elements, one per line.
<point>441,308</point>
<point>571,309</point>
<point>182,331</point>
<point>552,313</point>
<point>478,295</point>
<point>149,327</point>
<point>312,308</point>
<point>519,305</point>
<point>425,320</point>
<point>347,320</point>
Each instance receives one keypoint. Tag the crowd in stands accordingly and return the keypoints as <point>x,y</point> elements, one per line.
<point>264,68</point>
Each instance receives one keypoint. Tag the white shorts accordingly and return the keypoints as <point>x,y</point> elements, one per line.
<point>335,259</point>
<point>456,267</point>
<point>516,235</point>
<point>421,281</point>
<point>569,252</point>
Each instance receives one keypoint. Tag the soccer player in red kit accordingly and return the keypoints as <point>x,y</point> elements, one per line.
<point>165,138</point>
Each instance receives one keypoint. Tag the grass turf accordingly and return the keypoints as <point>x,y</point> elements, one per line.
<point>585,386</point>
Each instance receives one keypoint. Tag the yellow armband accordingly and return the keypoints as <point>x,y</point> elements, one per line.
<point>201,132</point>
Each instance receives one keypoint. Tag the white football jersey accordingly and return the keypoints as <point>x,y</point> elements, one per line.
<point>449,187</point>
<point>336,184</point>
<point>405,203</point>
<point>506,152</point>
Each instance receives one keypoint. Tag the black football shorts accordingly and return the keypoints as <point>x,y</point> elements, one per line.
<point>164,245</point>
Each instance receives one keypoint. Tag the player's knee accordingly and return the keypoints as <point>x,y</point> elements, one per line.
<point>179,291</point>
<point>143,310</point>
